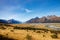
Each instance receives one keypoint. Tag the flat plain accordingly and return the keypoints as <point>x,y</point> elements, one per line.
<point>30,31</point>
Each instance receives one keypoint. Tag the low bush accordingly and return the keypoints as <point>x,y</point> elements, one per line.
<point>28,37</point>
<point>54,36</point>
<point>38,32</point>
<point>12,30</point>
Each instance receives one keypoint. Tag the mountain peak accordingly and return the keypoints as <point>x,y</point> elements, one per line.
<point>13,21</point>
<point>36,17</point>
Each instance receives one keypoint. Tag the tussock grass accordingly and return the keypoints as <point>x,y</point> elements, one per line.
<point>2,37</point>
<point>28,37</point>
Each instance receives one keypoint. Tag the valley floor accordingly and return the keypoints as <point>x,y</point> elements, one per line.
<point>17,34</point>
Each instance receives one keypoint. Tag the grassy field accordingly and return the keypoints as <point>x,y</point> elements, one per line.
<point>29,32</point>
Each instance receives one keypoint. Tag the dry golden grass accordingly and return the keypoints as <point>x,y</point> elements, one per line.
<point>30,34</point>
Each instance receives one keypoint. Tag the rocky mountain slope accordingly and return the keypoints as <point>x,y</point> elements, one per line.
<point>45,19</point>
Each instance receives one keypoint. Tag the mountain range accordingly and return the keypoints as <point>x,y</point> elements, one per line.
<point>45,19</point>
<point>11,21</point>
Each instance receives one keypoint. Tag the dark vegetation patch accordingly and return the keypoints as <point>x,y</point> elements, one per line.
<point>2,37</point>
<point>38,32</point>
<point>28,37</point>
<point>12,30</point>
<point>28,28</point>
<point>7,25</point>
<point>2,27</point>
<point>54,35</point>
<point>43,35</point>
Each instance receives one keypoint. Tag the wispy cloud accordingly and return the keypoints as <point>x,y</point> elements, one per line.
<point>28,11</point>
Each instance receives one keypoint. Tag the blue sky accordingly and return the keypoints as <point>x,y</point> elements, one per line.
<point>24,10</point>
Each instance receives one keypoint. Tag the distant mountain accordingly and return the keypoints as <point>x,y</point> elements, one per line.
<point>3,21</point>
<point>45,19</point>
<point>11,21</point>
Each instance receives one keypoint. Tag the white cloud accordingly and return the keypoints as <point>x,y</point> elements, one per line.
<point>28,11</point>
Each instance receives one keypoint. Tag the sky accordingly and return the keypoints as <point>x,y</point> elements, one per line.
<point>24,10</point>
